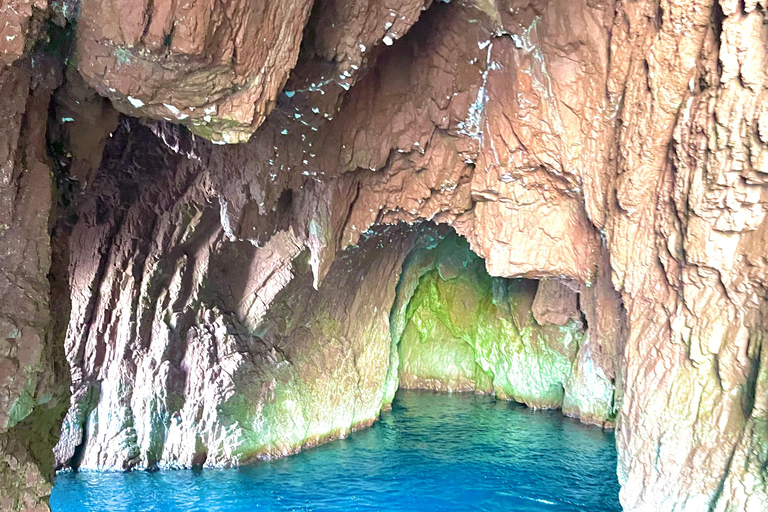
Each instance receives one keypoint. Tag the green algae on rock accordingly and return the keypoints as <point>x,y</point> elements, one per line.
<point>467,331</point>
<point>331,348</point>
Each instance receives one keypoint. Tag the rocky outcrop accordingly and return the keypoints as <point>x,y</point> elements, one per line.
<point>611,150</point>
<point>20,23</point>
<point>213,352</point>
<point>218,67</point>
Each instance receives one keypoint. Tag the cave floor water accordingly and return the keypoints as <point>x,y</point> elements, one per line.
<point>459,452</point>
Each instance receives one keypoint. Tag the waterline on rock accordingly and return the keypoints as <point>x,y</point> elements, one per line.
<point>431,452</point>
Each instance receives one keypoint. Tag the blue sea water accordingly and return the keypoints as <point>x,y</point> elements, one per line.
<point>432,452</point>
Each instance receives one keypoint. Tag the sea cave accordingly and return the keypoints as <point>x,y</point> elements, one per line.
<point>355,255</point>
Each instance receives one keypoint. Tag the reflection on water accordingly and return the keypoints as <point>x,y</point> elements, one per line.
<point>432,452</point>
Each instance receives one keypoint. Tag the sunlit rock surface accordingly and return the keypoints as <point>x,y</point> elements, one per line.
<point>616,148</point>
<point>209,390</point>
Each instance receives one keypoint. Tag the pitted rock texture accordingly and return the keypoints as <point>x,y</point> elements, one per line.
<point>616,146</point>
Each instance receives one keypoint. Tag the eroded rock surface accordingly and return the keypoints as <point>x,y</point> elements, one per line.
<point>33,378</point>
<point>212,391</point>
<point>614,146</point>
<point>688,250</point>
<point>216,66</point>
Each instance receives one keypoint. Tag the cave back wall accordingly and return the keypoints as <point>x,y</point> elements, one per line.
<point>210,211</point>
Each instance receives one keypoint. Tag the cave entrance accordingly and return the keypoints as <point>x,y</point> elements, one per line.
<point>406,308</point>
<point>252,360</point>
<point>458,329</point>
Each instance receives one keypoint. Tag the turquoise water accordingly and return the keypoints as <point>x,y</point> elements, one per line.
<point>432,452</point>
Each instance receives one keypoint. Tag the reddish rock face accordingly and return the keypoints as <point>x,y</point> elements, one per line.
<point>215,66</point>
<point>33,382</point>
<point>618,147</point>
<point>555,302</point>
<point>687,236</point>
<point>18,27</point>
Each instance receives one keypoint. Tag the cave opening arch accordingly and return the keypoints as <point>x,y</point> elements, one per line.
<point>260,366</point>
<point>459,329</point>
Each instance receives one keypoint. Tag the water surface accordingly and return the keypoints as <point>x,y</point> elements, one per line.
<point>432,452</point>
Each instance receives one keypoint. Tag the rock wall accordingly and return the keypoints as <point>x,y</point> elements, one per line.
<point>617,145</point>
<point>688,249</point>
<point>204,389</point>
<point>33,375</point>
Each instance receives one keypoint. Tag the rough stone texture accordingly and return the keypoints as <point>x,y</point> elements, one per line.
<point>212,352</point>
<point>617,146</point>
<point>215,66</point>
<point>688,248</point>
<point>218,67</point>
<point>542,133</point>
<point>235,355</point>
<point>345,31</point>
<point>19,23</point>
<point>555,302</point>
<point>600,355</point>
<point>33,378</point>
